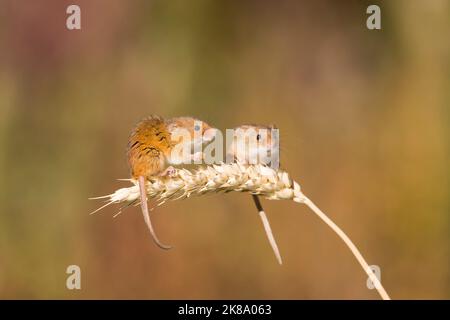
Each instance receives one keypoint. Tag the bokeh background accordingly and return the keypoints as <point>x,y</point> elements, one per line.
<point>364,120</point>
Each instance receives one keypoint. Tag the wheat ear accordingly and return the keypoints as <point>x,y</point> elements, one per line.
<point>256,179</point>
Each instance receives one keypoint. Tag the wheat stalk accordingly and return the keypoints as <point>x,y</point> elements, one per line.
<point>256,179</point>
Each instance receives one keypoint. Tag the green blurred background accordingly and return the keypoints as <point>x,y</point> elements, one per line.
<point>364,121</point>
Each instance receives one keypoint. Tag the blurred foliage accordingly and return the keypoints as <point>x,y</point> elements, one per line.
<point>364,120</point>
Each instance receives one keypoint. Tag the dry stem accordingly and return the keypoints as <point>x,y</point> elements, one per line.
<point>256,179</point>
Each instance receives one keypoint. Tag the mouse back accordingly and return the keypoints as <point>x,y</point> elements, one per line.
<point>148,144</point>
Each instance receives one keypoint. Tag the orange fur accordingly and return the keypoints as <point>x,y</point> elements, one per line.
<point>148,146</point>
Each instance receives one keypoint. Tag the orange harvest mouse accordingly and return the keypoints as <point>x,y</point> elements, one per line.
<point>151,149</point>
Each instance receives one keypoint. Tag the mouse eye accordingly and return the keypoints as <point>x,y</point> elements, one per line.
<point>258,137</point>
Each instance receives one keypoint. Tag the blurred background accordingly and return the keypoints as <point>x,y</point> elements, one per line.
<point>364,122</point>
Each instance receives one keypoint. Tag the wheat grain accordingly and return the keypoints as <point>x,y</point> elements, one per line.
<point>256,179</point>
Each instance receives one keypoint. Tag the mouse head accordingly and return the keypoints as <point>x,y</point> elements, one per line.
<point>255,144</point>
<point>189,130</point>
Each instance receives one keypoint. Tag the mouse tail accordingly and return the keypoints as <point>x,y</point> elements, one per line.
<point>144,207</point>
<point>267,228</point>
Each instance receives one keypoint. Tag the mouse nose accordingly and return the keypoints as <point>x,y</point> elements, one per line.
<point>210,134</point>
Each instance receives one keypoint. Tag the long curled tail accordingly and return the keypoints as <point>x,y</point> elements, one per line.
<point>144,207</point>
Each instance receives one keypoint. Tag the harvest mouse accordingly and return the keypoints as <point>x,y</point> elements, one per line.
<point>150,151</point>
<point>257,144</point>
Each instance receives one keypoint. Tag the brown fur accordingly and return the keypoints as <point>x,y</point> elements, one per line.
<point>148,145</point>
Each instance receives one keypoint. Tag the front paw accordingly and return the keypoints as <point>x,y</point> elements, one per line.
<point>197,157</point>
<point>169,172</point>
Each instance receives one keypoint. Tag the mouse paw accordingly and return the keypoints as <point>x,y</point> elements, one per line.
<point>198,156</point>
<point>170,172</point>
